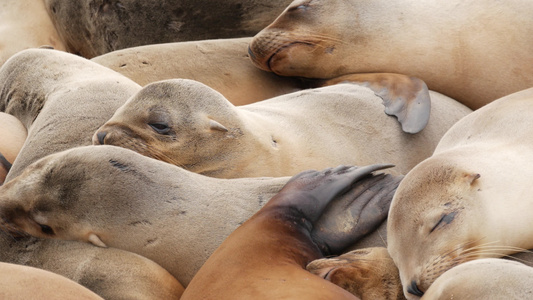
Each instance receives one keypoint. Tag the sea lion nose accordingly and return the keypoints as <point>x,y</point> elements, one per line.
<point>101,137</point>
<point>413,289</point>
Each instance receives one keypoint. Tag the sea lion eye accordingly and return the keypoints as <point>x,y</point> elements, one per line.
<point>46,229</point>
<point>446,218</point>
<point>160,128</point>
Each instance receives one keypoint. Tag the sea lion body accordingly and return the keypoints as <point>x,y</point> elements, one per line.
<point>442,43</point>
<point>12,134</point>
<point>310,129</point>
<point>221,64</point>
<point>94,27</point>
<point>265,258</point>
<point>22,282</point>
<point>467,200</point>
<point>33,30</point>
<point>488,278</point>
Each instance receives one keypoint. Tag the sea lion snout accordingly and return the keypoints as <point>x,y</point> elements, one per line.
<point>100,137</point>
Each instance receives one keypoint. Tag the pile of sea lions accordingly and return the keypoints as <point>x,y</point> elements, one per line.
<point>249,150</point>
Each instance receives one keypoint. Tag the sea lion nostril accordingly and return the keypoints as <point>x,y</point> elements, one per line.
<point>413,289</point>
<point>101,137</point>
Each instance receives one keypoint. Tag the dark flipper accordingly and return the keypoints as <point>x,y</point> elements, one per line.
<point>357,213</point>
<point>405,97</point>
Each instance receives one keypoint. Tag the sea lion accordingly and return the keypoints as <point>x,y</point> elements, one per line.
<point>265,258</point>
<point>368,273</point>
<point>111,273</point>
<point>467,201</point>
<point>12,134</point>
<point>442,43</point>
<point>188,124</point>
<point>222,64</point>
<point>25,24</point>
<point>488,278</point>
<point>22,282</point>
<point>94,27</point>
<point>177,219</point>
<point>62,98</point>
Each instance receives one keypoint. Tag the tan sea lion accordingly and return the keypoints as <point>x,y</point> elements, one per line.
<point>62,98</point>
<point>25,24</point>
<point>222,64</point>
<point>265,258</point>
<point>94,27</point>
<point>188,124</point>
<point>367,273</point>
<point>21,282</point>
<point>12,137</point>
<point>488,278</point>
<point>442,43</point>
<point>111,273</point>
<point>177,219</point>
<point>467,201</point>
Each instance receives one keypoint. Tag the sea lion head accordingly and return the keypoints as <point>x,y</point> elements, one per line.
<point>367,273</point>
<point>66,195</point>
<point>436,221</point>
<point>179,121</point>
<point>293,45</point>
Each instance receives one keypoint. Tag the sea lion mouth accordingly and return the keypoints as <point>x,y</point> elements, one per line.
<point>283,48</point>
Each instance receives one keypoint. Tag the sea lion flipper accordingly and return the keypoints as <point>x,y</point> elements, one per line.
<point>357,213</point>
<point>311,191</point>
<point>405,97</point>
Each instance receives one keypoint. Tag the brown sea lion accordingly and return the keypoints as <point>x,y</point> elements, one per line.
<point>25,24</point>
<point>469,199</point>
<point>367,273</point>
<point>265,258</point>
<point>94,27</point>
<point>442,43</point>
<point>188,124</point>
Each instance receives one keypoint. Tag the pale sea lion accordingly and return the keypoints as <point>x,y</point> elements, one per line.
<point>467,201</point>
<point>488,278</point>
<point>172,216</point>
<point>474,52</point>
<point>367,273</point>
<point>265,258</point>
<point>222,64</point>
<point>12,137</point>
<point>22,282</point>
<point>25,24</point>
<point>62,98</point>
<point>188,124</point>
<point>94,27</point>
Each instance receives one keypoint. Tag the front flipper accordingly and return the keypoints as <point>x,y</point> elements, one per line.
<point>358,212</point>
<point>405,97</point>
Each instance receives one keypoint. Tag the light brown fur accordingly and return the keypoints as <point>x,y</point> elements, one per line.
<point>276,137</point>
<point>12,137</point>
<point>467,201</point>
<point>475,51</point>
<point>221,64</point>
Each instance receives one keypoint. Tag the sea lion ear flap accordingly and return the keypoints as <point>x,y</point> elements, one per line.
<point>214,125</point>
<point>470,178</point>
<point>405,97</point>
